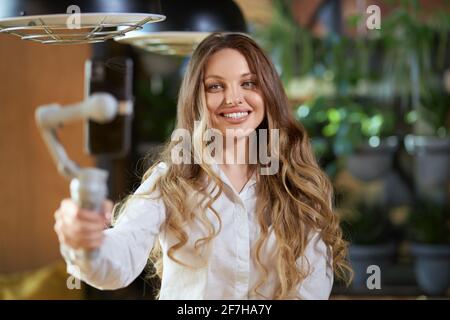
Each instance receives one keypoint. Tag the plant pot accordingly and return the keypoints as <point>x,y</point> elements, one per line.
<point>370,163</point>
<point>431,166</point>
<point>432,267</point>
<point>363,256</point>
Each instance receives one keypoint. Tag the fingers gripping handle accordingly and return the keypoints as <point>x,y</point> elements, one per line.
<point>89,190</point>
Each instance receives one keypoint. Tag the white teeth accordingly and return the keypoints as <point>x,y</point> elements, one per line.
<point>235,115</point>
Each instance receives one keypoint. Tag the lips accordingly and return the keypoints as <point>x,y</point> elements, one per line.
<point>235,114</point>
<point>234,110</point>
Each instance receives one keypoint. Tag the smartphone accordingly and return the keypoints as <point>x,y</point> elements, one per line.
<point>115,76</point>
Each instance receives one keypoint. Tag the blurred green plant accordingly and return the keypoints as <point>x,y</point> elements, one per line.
<point>286,42</point>
<point>346,123</point>
<point>354,90</point>
<point>401,64</point>
<point>429,222</point>
<point>367,224</point>
<point>156,111</point>
<point>415,56</point>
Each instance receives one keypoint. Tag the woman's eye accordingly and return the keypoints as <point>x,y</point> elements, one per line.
<point>214,87</point>
<point>249,84</point>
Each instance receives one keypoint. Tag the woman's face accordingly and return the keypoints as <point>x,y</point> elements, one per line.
<point>233,97</point>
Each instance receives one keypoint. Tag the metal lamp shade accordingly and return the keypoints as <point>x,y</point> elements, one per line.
<point>187,23</point>
<point>72,21</point>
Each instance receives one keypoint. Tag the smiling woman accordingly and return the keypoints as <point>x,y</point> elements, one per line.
<point>225,231</point>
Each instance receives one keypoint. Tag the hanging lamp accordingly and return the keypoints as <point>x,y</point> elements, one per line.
<point>76,21</point>
<point>187,23</point>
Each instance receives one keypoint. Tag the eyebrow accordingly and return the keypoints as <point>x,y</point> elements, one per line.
<point>219,77</point>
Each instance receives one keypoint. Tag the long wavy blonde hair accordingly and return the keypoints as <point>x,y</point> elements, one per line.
<point>294,201</point>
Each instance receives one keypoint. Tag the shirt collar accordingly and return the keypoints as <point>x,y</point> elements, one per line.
<point>219,172</point>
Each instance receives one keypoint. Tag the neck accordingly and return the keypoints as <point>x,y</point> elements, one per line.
<point>235,156</point>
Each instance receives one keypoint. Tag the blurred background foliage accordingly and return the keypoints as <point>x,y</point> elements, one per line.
<point>351,88</point>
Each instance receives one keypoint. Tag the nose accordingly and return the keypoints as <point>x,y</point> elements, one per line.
<point>233,95</point>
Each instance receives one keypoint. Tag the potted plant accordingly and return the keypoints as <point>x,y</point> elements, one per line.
<point>415,57</point>
<point>369,231</point>
<point>354,130</point>
<point>431,149</point>
<point>359,96</point>
<point>429,230</point>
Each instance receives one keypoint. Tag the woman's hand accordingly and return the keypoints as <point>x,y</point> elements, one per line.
<point>80,228</point>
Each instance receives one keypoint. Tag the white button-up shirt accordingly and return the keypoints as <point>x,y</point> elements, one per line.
<point>229,270</point>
